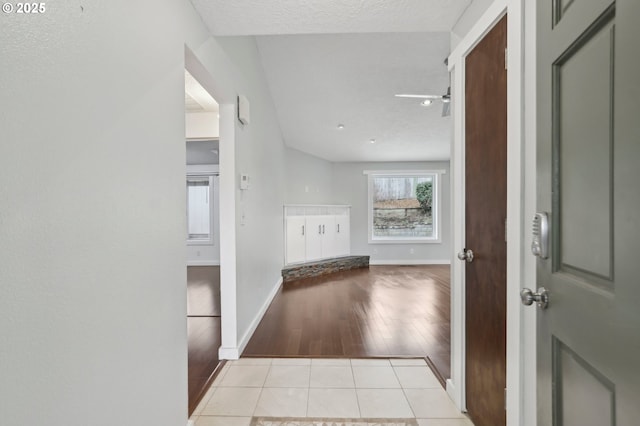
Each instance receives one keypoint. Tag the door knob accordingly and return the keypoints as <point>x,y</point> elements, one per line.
<point>541,297</point>
<point>466,254</point>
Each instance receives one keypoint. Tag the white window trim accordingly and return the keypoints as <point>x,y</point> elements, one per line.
<point>207,172</point>
<point>436,239</point>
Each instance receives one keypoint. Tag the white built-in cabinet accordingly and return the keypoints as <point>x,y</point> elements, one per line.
<point>295,239</point>
<point>314,232</point>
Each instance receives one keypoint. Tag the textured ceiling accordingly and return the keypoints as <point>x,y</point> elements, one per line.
<point>260,17</point>
<point>320,81</point>
<point>330,62</point>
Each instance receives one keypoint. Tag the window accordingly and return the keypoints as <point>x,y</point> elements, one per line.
<point>199,218</point>
<point>403,206</point>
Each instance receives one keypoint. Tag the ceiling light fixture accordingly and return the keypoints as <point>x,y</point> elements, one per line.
<point>340,126</point>
<point>426,102</point>
<point>372,141</point>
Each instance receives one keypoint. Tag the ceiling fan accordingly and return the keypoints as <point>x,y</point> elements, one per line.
<point>428,99</point>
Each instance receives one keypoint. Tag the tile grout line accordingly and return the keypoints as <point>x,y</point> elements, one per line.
<point>406,398</point>
<point>262,389</point>
<point>309,388</point>
<point>355,388</point>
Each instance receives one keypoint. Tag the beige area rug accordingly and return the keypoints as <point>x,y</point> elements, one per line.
<point>309,421</point>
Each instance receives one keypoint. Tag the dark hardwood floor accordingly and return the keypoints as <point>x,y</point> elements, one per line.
<point>203,291</point>
<point>203,328</point>
<point>383,311</point>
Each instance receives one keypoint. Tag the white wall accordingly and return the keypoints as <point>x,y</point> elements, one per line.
<point>200,125</point>
<point>93,294</point>
<point>309,179</point>
<point>350,186</point>
<point>92,218</point>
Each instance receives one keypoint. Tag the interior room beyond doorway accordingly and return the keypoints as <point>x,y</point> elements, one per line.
<point>382,311</point>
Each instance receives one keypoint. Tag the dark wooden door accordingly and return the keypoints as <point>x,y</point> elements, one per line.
<point>486,211</point>
<point>588,169</point>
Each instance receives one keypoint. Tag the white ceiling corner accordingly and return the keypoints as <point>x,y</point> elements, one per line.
<point>330,62</point>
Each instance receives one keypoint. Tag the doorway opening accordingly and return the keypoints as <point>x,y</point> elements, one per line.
<point>202,237</point>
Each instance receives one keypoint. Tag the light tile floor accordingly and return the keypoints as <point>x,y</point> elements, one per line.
<point>302,387</point>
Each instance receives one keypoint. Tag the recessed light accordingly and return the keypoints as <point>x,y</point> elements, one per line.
<point>426,102</point>
<point>372,141</point>
<point>340,126</point>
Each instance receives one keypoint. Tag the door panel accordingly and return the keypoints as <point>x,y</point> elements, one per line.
<point>584,141</point>
<point>588,155</point>
<point>485,205</point>
<point>296,239</point>
<point>584,396</point>
<point>342,236</point>
<point>314,237</point>
<point>329,236</point>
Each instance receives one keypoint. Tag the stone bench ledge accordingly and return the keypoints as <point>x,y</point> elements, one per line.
<point>323,267</point>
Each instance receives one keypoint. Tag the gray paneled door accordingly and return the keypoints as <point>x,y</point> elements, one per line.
<point>589,183</point>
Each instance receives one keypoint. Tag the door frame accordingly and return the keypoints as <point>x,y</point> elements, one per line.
<point>227,203</point>
<point>521,194</point>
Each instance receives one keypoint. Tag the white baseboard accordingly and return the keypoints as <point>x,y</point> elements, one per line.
<point>203,263</point>
<point>451,391</point>
<point>455,397</point>
<point>228,353</point>
<point>256,320</point>
<point>409,262</point>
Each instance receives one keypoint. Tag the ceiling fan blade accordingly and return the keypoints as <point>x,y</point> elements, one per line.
<point>419,96</point>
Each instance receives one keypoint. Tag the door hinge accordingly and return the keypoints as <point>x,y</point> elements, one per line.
<point>505,399</point>
<point>505,57</point>
<point>505,230</point>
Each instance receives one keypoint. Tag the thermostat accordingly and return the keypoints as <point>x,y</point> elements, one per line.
<point>244,181</point>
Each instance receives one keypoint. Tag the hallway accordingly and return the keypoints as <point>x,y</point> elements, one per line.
<point>326,388</point>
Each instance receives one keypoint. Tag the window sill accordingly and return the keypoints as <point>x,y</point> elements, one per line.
<point>406,241</point>
<point>208,242</point>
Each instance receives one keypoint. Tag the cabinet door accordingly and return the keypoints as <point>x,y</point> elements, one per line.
<point>328,237</point>
<point>295,243</point>
<point>343,237</point>
<point>314,237</point>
